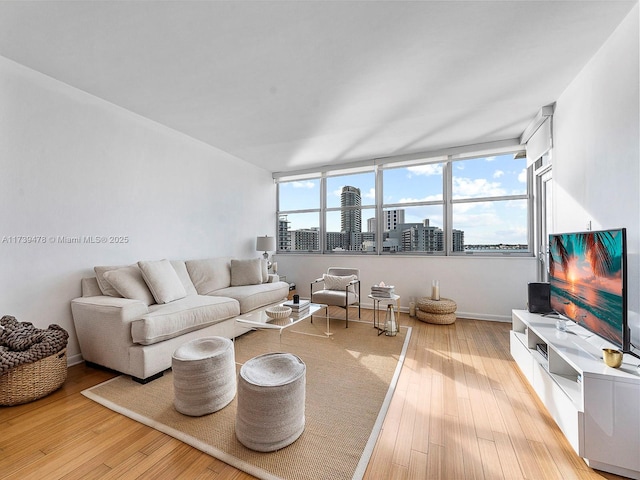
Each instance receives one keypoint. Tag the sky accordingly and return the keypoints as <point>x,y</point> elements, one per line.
<point>482,222</point>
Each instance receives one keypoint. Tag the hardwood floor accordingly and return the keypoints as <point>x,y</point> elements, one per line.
<point>461,410</point>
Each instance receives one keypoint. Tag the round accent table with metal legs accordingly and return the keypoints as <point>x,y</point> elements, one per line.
<point>393,300</point>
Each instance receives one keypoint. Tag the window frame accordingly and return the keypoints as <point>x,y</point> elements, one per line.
<point>447,203</point>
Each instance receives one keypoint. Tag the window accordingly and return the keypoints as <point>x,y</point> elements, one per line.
<point>299,215</point>
<point>413,209</point>
<point>490,204</point>
<point>438,206</point>
<point>350,209</point>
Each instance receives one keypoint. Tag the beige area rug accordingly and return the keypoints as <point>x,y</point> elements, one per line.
<point>350,377</point>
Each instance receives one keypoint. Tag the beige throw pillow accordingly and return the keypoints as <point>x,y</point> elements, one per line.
<point>129,283</point>
<point>246,272</point>
<point>105,287</point>
<point>162,280</point>
<point>335,282</point>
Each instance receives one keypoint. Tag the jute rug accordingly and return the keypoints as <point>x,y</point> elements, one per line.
<point>350,378</point>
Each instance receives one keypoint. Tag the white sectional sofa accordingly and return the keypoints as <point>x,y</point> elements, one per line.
<point>131,318</point>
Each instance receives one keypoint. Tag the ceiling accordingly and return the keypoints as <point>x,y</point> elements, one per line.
<point>292,85</point>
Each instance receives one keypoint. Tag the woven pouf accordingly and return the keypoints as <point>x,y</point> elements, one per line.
<point>271,398</point>
<point>441,312</point>
<point>204,375</point>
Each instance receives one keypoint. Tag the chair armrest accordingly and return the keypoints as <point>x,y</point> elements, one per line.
<point>273,278</point>
<point>316,281</point>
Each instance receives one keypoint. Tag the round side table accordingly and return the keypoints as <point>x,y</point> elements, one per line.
<point>440,312</point>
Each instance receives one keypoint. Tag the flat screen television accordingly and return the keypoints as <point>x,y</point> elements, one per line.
<point>588,281</point>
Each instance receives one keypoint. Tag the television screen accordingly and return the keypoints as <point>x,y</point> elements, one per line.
<point>587,276</point>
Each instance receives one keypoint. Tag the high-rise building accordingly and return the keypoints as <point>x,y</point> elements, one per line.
<point>350,218</point>
<point>307,239</point>
<point>284,234</point>
<point>391,219</point>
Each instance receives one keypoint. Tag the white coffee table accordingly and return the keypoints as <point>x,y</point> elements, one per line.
<point>259,320</point>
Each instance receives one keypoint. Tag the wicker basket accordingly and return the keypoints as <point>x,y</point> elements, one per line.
<point>35,380</point>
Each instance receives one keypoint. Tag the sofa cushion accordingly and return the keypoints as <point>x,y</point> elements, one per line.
<point>255,296</point>
<point>246,272</point>
<point>336,282</point>
<point>210,274</point>
<point>182,316</point>
<point>265,270</point>
<point>181,269</point>
<point>129,283</point>
<point>163,281</point>
<point>105,287</point>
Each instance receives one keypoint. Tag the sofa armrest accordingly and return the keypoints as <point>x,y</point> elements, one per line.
<point>103,326</point>
<point>273,278</point>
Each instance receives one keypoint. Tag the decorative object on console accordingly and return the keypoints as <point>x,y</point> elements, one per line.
<point>612,357</point>
<point>266,244</point>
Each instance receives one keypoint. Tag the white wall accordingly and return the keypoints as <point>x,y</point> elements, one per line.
<point>73,165</point>
<point>485,288</point>
<point>596,156</point>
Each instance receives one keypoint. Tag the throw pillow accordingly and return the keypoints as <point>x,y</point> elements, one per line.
<point>209,274</point>
<point>181,269</point>
<point>335,282</point>
<point>105,287</point>
<point>129,283</point>
<point>162,280</point>
<point>246,272</point>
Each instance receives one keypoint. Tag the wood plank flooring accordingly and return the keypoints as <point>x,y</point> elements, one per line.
<point>461,410</point>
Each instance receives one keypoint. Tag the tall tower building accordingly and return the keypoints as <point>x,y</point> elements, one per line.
<point>350,218</point>
<point>392,218</point>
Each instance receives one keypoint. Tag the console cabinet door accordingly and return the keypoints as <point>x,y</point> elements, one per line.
<point>612,413</point>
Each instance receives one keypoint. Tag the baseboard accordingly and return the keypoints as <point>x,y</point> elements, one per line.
<point>74,359</point>
<point>470,316</point>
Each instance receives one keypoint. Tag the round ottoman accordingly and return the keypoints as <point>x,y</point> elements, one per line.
<point>204,375</point>
<point>441,312</point>
<point>271,397</point>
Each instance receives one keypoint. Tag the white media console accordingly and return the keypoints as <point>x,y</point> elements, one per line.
<point>596,407</point>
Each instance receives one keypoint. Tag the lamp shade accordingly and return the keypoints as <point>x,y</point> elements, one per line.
<point>266,244</point>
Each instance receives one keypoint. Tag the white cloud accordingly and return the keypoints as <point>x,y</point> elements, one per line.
<point>498,174</point>
<point>427,170</point>
<point>522,176</point>
<point>479,187</point>
<point>428,198</point>
<point>370,194</point>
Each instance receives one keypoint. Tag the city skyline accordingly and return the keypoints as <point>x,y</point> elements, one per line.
<point>497,221</point>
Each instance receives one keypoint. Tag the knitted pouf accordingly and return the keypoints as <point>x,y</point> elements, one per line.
<point>441,312</point>
<point>271,398</point>
<point>204,375</point>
